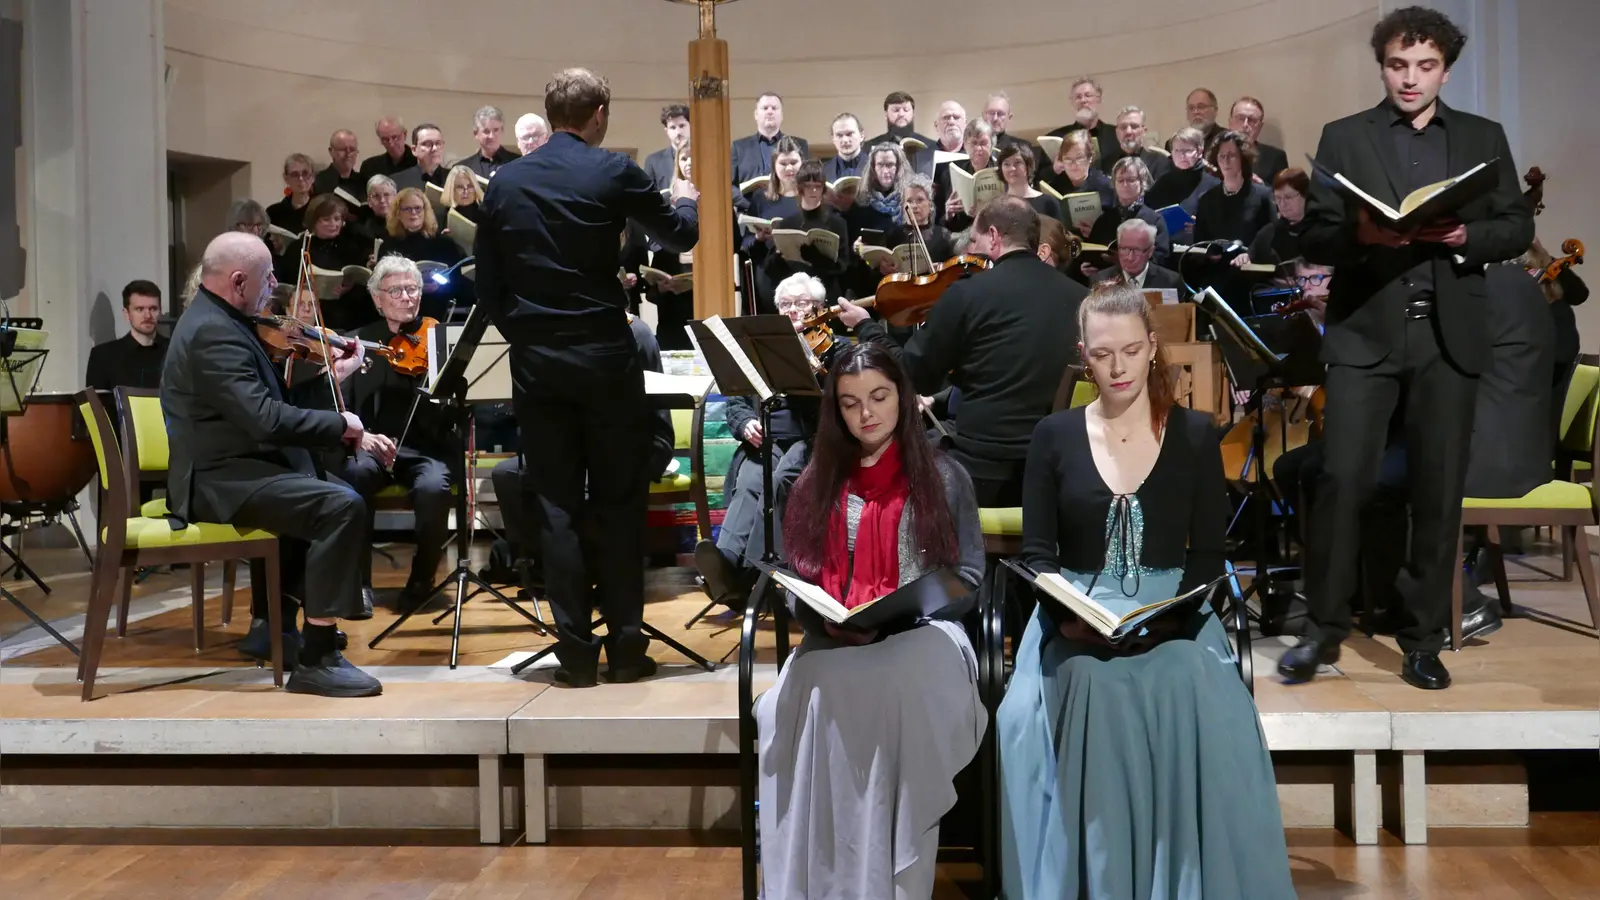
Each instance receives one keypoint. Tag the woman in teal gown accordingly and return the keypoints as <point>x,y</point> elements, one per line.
<point>1135,770</point>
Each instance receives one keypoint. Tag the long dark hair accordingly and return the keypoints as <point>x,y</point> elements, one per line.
<point>834,455</point>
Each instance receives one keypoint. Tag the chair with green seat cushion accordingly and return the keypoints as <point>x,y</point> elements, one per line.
<point>127,542</point>
<point>1077,389</point>
<point>1564,504</point>
<point>688,426</point>
<point>146,457</point>
<point>1576,430</point>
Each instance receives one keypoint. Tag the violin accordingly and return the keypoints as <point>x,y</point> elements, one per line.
<point>905,300</point>
<point>1574,250</point>
<point>408,350</point>
<point>289,339</point>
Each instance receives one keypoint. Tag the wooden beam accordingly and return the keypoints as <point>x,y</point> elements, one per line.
<point>712,175</point>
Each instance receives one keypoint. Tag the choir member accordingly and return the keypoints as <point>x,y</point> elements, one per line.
<point>1135,769</point>
<point>427,140</point>
<point>374,221</point>
<point>396,155</point>
<point>1086,96</point>
<point>1136,247</point>
<point>1131,179</point>
<point>950,126</point>
<point>488,123</point>
<point>847,157</point>
<point>863,734</point>
<point>342,170</point>
<point>1057,248</point>
<point>334,246</point>
<point>1073,171</point>
<point>880,203</point>
<point>920,225</point>
<point>1246,117</point>
<point>1279,240</point>
<point>979,143</point>
<point>1188,179</point>
<point>900,124</point>
<point>248,216</point>
<point>997,112</point>
<point>290,212</point>
<point>135,359</point>
<point>674,305</point>
<point>414,234</point>
<point>778,198</point>
<point>659,165</point>
<point>462,193</point>
<point>1016,169</point>
<point>1130,143</point>
<point>532,131</point>
<point>1238,208</point>
<point>1201,109</point>
<point>753,154</point>
<point>812,213</point>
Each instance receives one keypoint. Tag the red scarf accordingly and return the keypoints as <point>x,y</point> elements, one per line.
<point>875,569</point>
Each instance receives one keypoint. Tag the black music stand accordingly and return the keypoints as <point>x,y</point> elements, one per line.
<point>20,367</point>
<point>451,389</point>
<point>1251,358</point>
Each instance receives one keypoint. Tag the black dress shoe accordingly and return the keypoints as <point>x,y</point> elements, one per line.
<point>719,576</point>
<point>576,679</point>
<point>631,672</point>
<point>1300,663</point>
<point>1424,670</point>
<point>1480,620</point>
<point>332,676</point>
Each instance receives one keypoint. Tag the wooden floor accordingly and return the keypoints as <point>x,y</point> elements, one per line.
<point>1558,858</point>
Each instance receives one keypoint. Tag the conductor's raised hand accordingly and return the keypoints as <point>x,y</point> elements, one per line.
<point>683,189</point>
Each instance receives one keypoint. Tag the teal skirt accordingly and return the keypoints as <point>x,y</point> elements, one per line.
<point>1136,777</point>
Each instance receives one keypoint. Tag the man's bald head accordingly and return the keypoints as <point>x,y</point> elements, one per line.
<point>344,151</point>
<point>238,268</point>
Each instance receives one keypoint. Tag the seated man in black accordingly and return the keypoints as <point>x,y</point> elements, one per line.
<point>243,455</point>
<point>1004,338</point>
<point>135,359</point>
<point>522,539</point>
<point>427,460</point>
<point>726,565</point>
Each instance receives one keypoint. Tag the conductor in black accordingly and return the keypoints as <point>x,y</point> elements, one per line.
<point>1405,333</point>
<point>547,257</point>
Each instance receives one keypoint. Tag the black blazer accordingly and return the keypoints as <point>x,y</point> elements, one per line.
<point>1004,337</point>
<point>747,160</point>
<point>661,166</point>
<point>1366,303</point>
<point>1512,441</point>
<point>232,426</point>
<point>1270,161</point>
<point>1158,278</point>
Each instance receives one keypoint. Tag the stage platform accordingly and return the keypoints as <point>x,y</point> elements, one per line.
<point>185,739</point>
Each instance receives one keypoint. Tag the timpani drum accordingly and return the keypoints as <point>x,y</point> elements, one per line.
<point>46,457</point>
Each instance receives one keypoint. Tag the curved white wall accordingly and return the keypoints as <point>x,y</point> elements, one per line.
<point>258,79</point>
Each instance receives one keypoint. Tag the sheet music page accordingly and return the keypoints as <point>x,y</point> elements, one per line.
<point>719,329</point>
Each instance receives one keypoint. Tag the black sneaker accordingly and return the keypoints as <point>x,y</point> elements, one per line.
<point>333,676</point>
<point>627,674</point>
<point>257,644</point>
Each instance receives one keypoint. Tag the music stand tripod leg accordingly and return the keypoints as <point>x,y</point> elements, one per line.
<point>23,568</point>
<point>12,599</point>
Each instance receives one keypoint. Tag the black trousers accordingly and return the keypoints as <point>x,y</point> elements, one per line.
<point>1438,409</point>
<point>322,531</point>
<point>742,538</point>
<point>429,481</point>
<point>995,483</point>
<point>521,539</point>
<point>588,432</point>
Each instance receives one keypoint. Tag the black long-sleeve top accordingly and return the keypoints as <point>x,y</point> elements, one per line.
<point>125,362</point>
<point>1185,499</point>
<point>287,216</point>
<point>1097,182</point>
<point>547,251</point>
<point>1238,217</point>
<point>383,398</point>
<point>1277,242</point>
<point>814,262</point>
<point>1105,228</point>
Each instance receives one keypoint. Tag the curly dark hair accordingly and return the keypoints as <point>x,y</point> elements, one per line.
<point>1419,25</point>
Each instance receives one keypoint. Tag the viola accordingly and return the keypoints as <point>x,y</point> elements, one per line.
<point>289,338</point>
<point>1573,248</point>
<point>408,350</point>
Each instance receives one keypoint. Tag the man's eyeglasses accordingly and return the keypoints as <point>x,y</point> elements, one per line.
<point>400,293</point>
<point>1317,280</point>
<point>1135,251</point>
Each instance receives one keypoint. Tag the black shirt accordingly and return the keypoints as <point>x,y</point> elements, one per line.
<point>1239,216</point>
<point>383,398</point>
<point>1424,159</point>
<point>838,167</point>
<point>287,216</point>
<point>487,166</point>
<point>125,362</point>
<point>383,164</point>
<point>329,178</point>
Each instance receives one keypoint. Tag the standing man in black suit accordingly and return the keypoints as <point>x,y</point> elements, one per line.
<point>752,154</point>
<point>242,455</point>
<point>1405,318</point>
<point>547,251</point>
<point>662,165</point>
<point>1003,337</point>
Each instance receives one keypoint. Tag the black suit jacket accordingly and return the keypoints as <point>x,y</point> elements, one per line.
<point>232,426</point>
<point>549,245</point>
<point>1004,337</point>
<point>661,166</point>
<point>1366,303</point>
<point>1157,278</point>
<point>1270,161</point>
<point>747,159</point>
<point>1512,441</point>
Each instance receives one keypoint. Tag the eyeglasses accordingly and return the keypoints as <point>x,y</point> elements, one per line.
<point>786,305</point>
<point>413,210</point>
<point>1247,119</point>
<point>297,174</point>
<point>1185,151</point>
<point>1134,251</point>
<point>429,145</point>
<point>1316,280</point>
<point>1130,179</point>
<point>398,293</point>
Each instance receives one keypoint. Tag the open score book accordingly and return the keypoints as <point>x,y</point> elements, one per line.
<point>1104,613</point>
<point>925,597</point>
